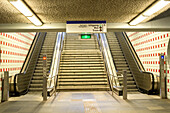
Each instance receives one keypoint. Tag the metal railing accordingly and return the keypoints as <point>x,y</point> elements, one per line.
<point>110,68</point>
<point>52,78</point>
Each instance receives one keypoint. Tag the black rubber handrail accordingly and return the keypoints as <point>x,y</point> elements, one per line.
<point>141,67</point>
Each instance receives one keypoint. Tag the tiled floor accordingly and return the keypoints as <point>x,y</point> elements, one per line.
<point>86,102</point>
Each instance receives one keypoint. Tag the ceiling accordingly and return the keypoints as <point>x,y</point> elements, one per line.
<point>60,11</point>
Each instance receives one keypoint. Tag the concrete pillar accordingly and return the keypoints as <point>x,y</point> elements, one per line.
<point>162,77</point>
<point>5,86</point>
<point>124,84</point>
<point>44,77</point>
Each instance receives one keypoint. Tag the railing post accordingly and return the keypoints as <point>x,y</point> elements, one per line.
<point>5,86</point>
<point>162,77</point>
<point>124,84</point>
<point>44,77</point>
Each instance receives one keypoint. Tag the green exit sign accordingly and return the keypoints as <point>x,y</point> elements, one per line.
<point>86,36</point>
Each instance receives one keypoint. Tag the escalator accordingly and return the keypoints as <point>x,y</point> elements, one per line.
<point>125,58</point>
<point>47,48</point>
<point>31,76</point>
<point>120,62</point>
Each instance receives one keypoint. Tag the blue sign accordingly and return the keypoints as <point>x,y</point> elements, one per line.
<point>86,22</point>
<point>162,57</point>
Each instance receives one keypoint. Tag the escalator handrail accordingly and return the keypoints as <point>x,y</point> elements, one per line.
<point>136,58</point>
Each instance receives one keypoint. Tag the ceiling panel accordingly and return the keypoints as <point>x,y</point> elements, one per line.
<point>56,11</point>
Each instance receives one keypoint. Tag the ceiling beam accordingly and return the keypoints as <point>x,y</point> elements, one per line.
<point>156,25</point>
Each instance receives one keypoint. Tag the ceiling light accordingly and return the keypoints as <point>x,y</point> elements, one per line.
<point>156,7</point>
<point>26,11</point>
<point>35,20</point>
<point>150,11</point>
<point>20,5</point>
<point>138,20</point>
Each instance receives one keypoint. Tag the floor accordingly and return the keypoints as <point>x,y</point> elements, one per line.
<point>86,102</point>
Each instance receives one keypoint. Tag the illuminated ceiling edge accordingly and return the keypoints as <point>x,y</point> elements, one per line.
<point>156,25</point>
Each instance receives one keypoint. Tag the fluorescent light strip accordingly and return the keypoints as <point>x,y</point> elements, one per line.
<point>35,20</point>
<point>20,5</point>
<point>138,20</point>
<point>156,7</point>
<point>23,8</point>
<point>153,9</point>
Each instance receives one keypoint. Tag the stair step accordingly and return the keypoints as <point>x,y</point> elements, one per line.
<point>40,71</point>
<point>82,76</point>
<point>132,90</point>
<point>128,82</point>
<point>101,73</point>
<point>83,80</point>
<point>37,81</point>
<point>81,83</point>
<point>37,78</point>
<point>121,65</point>
<point>81,60</point>
<point>91,87</point>
<point>36,85</point>
<point>35,89</point>
<point>82,65</point>
<point>79,71</point>
<point>81,68</point>
<point>39,74</point>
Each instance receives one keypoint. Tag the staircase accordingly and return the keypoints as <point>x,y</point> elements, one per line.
<point>81,65</point>
<point>120,62</point>
<point>47,48</point>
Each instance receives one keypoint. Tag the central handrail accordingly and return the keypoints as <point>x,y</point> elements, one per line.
<point>52,78</point>
<point>110,68</point>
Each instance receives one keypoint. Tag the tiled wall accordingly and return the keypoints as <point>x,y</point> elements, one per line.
<point>13,50</point>
<point>148,46</point>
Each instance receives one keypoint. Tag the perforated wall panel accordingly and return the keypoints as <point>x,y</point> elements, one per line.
<point>148,46</point>
<point>13,50</point>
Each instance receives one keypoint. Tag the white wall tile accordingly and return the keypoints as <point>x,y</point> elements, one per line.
<point>14,48</point>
